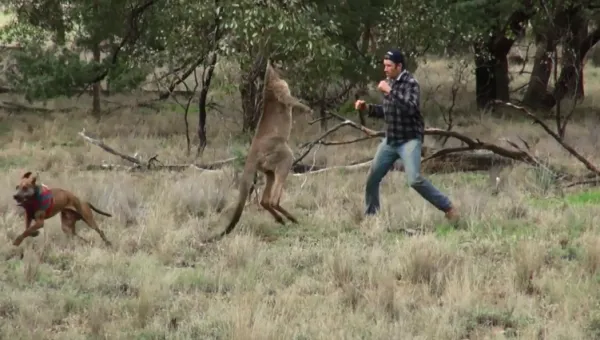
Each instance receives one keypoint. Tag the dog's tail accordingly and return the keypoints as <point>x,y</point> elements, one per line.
<point>98,210</point>
<point>244,189</point>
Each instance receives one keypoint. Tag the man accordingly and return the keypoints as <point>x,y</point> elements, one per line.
<point>403,136</point>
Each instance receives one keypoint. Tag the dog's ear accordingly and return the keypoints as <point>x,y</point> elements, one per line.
<point>26,174</point>
<point>33,178</point>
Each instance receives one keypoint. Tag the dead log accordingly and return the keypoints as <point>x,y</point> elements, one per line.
<point>152,164</point>
<point>437,162</point>
<point>479,160</point>
<point>474,155</point>
<point>168,167</point>
<point>471,144</point>
<point>466,162</point>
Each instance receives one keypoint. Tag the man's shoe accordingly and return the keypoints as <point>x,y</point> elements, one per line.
<point>453,216</point>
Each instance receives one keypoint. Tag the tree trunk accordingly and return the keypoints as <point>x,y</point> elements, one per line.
<point>96,89</point>
<point>491,62</point>
<point>248,92</point>
<point>501,75</point>
<point>578,31</point>
<point>484,82</point>
<point>107,91</point>
<point>206,80</point>
<point>491,78</point>
<point>537,90</point>
<point>573,69</point>
<point>251,93</point>
<point>323,116</point>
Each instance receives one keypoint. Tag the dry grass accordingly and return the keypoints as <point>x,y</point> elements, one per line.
<point>526,265</point>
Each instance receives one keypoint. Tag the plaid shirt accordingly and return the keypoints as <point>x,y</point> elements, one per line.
<point>400,110</point>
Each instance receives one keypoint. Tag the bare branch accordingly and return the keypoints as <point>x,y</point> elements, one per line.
<point>345,167</point>
<point>554,135</point>
<point>150,164</point>
<point>445,152</point>
<point>352,141</point>
<point>318,120</point>
<point>109,149</point>
<point>592,182</point>
<point>312,144</point>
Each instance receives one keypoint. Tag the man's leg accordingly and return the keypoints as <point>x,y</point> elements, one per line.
<point>382,163</point>
<point>410,153</point>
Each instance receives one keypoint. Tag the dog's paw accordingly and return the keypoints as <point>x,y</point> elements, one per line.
<point>35,234</point>
<point>17,242</point>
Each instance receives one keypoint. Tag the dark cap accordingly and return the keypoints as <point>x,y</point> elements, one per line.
<point>395,56</point>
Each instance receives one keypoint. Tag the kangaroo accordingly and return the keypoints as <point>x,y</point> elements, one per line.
<point>269,150</point>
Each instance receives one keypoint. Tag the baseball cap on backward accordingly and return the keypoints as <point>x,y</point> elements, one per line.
<point>395,55</point>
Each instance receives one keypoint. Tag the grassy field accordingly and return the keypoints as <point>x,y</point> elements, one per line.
<point>525,266</point>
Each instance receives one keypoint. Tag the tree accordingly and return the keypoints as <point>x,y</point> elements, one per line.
<point>563,23</point>
<point>491,28</point>
<point>47,70</point>
<point>187,35</point>
<point>284,32</point>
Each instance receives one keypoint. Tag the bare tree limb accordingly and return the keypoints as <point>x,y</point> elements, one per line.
<point>312,144</point>
<point>151,163</point>
<point>556,137</point>
<point>591,182</point>
<point>353,167</point>
<point>471,145</point>
<point>181,79</point>
<point>131,35</point>
<point>109,149</point>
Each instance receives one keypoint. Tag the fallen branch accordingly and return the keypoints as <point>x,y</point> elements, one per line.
<point>478,160</point>
<point>108,148</point>
<point>554,135</point>
<point>18,108</point>
<point>471,144</point>
<point>359,166</point>
<point>582,182</point>
<point>171,167</point>
<point>151,164</point>
<point>346,122</point>
<point>465,162</point>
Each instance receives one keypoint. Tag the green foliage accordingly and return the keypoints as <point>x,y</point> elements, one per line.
<point>126,75</point>
<point>53,35</point>
<point>45,74</point>
<point>178,32</point>
<point>326,46</point>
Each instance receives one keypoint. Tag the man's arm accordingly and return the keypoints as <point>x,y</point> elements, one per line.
<point>407,98</point>
<point>375,111</point>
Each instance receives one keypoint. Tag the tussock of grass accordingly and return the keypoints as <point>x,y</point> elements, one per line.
<point>526,264</point>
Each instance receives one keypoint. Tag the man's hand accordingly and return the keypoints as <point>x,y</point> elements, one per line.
<point>360,105</point>
<point>384,87</point>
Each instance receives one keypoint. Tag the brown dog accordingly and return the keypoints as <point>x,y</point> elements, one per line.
<point>41,202</point>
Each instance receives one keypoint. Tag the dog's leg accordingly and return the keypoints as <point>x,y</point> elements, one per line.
<point>68,220</point>
<point>88,218</point>
<point>265,202</point>
<point>38,224</point>
<point>28,220</point>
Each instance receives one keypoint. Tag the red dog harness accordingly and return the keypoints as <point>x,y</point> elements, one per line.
<point>41,200</point>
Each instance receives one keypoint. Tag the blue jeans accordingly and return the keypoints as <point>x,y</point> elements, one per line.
<point>410,153</point>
